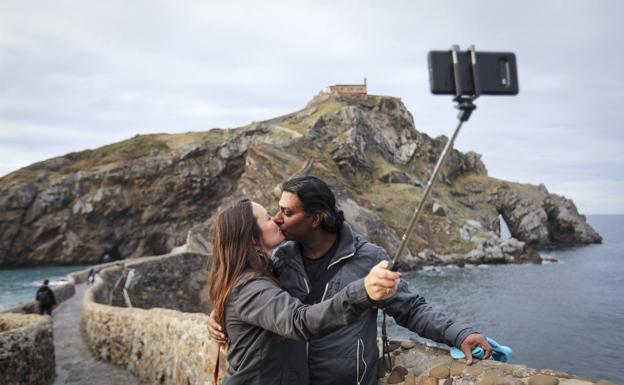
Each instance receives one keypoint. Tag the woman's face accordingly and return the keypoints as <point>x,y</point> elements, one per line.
<point>269,230</point>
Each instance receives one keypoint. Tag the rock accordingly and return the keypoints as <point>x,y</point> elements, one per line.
<point>440,372</point>
<point>457,368</point>
<point>543,379</point>
<point>392,346</point>
<point>399,177</point>
<point>554,373</point>
<point>475,256</point>
<point>522,371</point>
<point>512,245</point>
<point>493,254</point>
<point>586,381</point>
<point>466,380</point>
<point>398,374</point>
<point>539,218</point>
<point>489,378</point>
<point>428,381</point>
<point>406,345</point>
<point>410,379</point>
<point>468,202</point>
<point>508,380</point>
<point>475,187</point>
<point>606,382</point>
<point>473,370</point>
<point>438,210</point>
<point>442,360</point>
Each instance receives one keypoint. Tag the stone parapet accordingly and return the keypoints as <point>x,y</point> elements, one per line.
<point>157,345</point>
<point>415,363</point>
<point>26,349</point>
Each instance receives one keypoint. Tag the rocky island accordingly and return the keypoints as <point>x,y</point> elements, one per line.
<point>153,193</point>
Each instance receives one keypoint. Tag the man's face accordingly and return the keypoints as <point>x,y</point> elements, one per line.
<point>291,219</point>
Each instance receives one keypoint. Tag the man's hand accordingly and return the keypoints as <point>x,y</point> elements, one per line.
<point>381,283</point>
<point>215,331</point>
<point>471,342</point>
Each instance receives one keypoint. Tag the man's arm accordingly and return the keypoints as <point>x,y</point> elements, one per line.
<point>412,312</point>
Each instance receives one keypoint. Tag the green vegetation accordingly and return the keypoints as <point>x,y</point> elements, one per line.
<point>301,125</point>
<point>137,147</point>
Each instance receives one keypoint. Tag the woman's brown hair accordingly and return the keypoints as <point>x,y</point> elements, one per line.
<point>236,249</point>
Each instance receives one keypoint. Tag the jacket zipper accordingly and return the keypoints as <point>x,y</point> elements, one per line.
<point>328,267</point>
<point>308,291</point>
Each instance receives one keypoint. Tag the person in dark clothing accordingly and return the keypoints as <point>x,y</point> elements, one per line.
<point>253,310</point>
<point>45,297</point>
<point>318,239</point>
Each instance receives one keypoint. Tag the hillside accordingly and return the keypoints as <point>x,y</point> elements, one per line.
<point>151,193</point>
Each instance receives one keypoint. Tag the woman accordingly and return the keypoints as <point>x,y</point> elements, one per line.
<point>252,309</point>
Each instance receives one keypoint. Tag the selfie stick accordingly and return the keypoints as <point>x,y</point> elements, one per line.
<point>465,106</point>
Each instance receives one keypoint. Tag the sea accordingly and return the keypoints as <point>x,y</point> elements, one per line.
<point>20,285</point>
<point>566,315</point>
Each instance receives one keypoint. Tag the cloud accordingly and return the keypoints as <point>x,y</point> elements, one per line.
<point>84,74</point>
<point>594,196</point>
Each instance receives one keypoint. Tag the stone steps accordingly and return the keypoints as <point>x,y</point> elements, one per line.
<point>74,362</point>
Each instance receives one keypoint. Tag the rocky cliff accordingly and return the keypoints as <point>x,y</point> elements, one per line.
<point>151,193</point>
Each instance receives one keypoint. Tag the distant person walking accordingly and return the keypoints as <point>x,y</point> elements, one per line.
<point>45,297</point>
<point>91,277</point>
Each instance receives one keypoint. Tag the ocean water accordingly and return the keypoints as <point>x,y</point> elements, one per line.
<point>20,285</point>
<point>566,316</point>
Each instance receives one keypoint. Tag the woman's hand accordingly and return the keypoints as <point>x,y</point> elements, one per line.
<point>215,331</point>
<point>381,283</point>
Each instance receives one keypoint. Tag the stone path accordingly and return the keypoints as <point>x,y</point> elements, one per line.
<point>74,363</point>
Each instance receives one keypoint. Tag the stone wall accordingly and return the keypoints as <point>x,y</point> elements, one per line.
<point>158,345</point>
<point>416,363</point>
<point>26,349</point>
<point>171,281</point>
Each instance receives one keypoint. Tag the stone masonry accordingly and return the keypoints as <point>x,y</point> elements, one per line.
<point>26,349</point>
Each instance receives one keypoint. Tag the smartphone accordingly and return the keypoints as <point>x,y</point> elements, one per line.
<point>497,73</point>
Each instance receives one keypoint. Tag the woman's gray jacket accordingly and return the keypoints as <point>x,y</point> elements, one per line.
<point>349,355</point>
<point>259,315</point>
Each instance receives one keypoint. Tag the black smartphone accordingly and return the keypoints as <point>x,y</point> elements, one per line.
<point>496,71</point>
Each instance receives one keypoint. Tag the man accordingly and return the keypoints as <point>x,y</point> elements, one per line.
<point>323,254</point>
<point>45,297</point>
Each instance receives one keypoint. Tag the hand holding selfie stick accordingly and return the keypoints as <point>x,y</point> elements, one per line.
<point>465,106</point>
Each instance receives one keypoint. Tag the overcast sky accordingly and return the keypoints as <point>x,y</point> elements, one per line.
<point>81,74</point>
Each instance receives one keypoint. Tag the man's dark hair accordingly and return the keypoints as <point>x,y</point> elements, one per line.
<point>45,282</point>
<point>316,197</point>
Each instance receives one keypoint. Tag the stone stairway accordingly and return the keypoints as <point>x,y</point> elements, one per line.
<point>74,362</point>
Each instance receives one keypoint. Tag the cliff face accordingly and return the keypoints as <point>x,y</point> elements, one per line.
<point>149,194</point>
